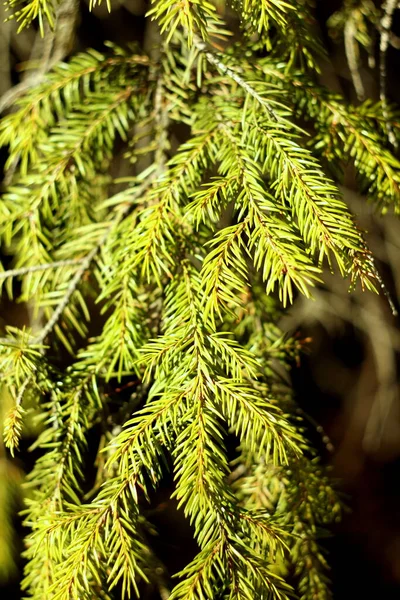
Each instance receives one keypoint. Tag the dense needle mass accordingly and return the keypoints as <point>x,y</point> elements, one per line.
<point>190,261</point>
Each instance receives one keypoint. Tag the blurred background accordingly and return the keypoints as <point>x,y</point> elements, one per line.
<point>348,381</point>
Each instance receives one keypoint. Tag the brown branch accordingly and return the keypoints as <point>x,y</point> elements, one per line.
<point>389,8</point>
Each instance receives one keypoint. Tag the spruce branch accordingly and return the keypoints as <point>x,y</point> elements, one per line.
<point>299,179</point>
<point>106,516</point>
<point>377,168</point>
<point>271,238</point>
<point>187,267</point>
<point>62,158</point>
<point>72,439</point>
<point>85,263</point>
<point>214,59</point>
<point>58,473</point>
<point>148,241</point>
<point>295,40</point>
<point>198,575</point>
<point>309,202</point>
<point>193,16</point>
<point>12,427</point>
<point>24,128</point>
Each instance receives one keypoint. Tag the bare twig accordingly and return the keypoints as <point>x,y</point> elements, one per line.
<point>213,58</point>
<point>350,44</point>
<point>394,41</point>
<point>39,339</point>
<point>64,34</point>
<point>5,37</point>
<point>387,392</point>
<point>43,267</point>
<point>384,289</point>
<point>22,389</point>
<point>389,8</point>
<point>9,97</point>
<point>161,121</point>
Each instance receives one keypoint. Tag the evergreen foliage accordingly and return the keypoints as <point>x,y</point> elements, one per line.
<point>173,279</point>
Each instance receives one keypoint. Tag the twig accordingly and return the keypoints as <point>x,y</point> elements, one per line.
<point>39,339</point>
<point>66,21</point>
<point>350,32</point>
<point>9,97</point>
<point>225,70</point>
<point>5,35</point>
<point>326,440</point>
<point>161,121</point>
<point>385,363</point>
<point>384,289</point>
<point>43,267</point>
<point>389,8</point>
<point>394,41</point>
<point>23,388</point>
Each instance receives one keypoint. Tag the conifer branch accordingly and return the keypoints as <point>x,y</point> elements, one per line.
<point>13,426</point>
<point>377,168</point>
<point>148,240</point>
<point>192,16</point>
<point>270,236</point>
<point>190,268</point>
<point>85,263</point>
<point>214,59</point>
<point>23,128</point>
